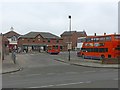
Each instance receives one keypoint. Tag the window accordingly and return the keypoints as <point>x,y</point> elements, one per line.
<point>118,47</point>
<point>96,39</point>
<point>39,39</point>
<point>13,38</point>
<point>95,49</point>
<point>88,39</point>
<point>55,47</point>
<point>49,40</point>
<point>109,56</point>
<point>108,38</point>
<point>57,41</point>
<point>103,49</point>
<point>117,37</point>
<point>102,39</point>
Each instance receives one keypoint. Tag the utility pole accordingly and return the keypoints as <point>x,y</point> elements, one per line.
<point>69,44</point>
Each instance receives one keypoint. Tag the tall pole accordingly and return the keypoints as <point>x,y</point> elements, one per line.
<point>69,36</point>
<point>1,46</point>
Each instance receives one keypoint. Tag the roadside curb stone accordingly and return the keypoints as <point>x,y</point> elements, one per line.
<point>85,64</point>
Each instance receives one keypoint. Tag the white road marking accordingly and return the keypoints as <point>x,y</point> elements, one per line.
<point>50,73</point>
<point>104,70</point>
<point>71,72</point>
<point>69,84</point>
<point>33,75</point>
<point>60,84</point>
<point>89,71</point>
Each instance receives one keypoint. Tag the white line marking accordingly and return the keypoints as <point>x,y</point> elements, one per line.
<point>104,70</point>
<point>88,82</point>
<point>46,86</point>
<point>60,84</point>
<point>89,71</point>
<point>69,84</point>
<point>33,75</point>
<point>71,72</point>
<point>50,73</point>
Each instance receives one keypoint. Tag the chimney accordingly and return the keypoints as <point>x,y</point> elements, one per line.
<point>94,34</point>
<point>104,33</point>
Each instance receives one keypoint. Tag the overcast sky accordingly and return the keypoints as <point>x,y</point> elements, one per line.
<point>52,17</point>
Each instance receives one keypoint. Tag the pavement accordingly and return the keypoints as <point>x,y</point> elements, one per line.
<point>86,62</point>
<point>8,65</point>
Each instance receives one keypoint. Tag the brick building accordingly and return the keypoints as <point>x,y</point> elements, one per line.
<point>35,41</point>
<point>4,49</point>
<point>12,36</point>
<point>70,37</point>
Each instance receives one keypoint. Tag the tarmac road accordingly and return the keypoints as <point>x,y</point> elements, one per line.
<point>42,71</point>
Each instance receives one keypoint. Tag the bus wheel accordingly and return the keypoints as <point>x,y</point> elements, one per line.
<point>102,56</point>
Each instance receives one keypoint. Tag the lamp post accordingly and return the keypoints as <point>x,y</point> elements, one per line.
<point>69,44</point>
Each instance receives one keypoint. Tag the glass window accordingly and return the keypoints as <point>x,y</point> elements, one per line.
<point>55,47</point>
<point>13,38</point>
<point>117,37</point>
<point>102,39</point>
<point>57,41</point>
<point>96,39</point>
<point>103,49</point>
<point>88,39</point>
<point>108,38</point>
<point>95,49</point>
<point>49,40</point>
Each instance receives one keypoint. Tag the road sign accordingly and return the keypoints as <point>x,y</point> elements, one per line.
<point>69,46</point>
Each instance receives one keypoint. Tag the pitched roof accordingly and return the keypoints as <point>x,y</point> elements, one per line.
<point>11,33</point>
<point>80,33</point>
<point>43,34</point>
<point>67,33</point>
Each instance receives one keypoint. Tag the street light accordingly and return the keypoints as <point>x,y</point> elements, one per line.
<point>69,44</point>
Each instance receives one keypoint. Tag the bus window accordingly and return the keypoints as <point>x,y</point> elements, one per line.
<point>117,37</point>
<point>118,47</point>
<point>108,38</point>
<point>95,49</point>
<point>96,39</point>
<point>88,39</point>
<point>103,50</point>
<point>102,39</point>
<point>55,47</point>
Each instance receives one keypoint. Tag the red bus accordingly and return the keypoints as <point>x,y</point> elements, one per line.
<point>98,47</point>
<point>53,49</point>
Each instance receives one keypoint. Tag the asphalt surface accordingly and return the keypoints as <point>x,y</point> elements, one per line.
<point>42,71</point>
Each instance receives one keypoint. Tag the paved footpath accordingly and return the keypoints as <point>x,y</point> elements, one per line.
<point>8,65</point>
<point>86,62</point>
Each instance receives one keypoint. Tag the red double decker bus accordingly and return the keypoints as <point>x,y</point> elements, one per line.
<point>98,47</point>
<point>53,49</point>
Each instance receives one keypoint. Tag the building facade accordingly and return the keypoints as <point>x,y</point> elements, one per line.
<point>12,37</point>
<point>70,39</point>
<point>38,41</point>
